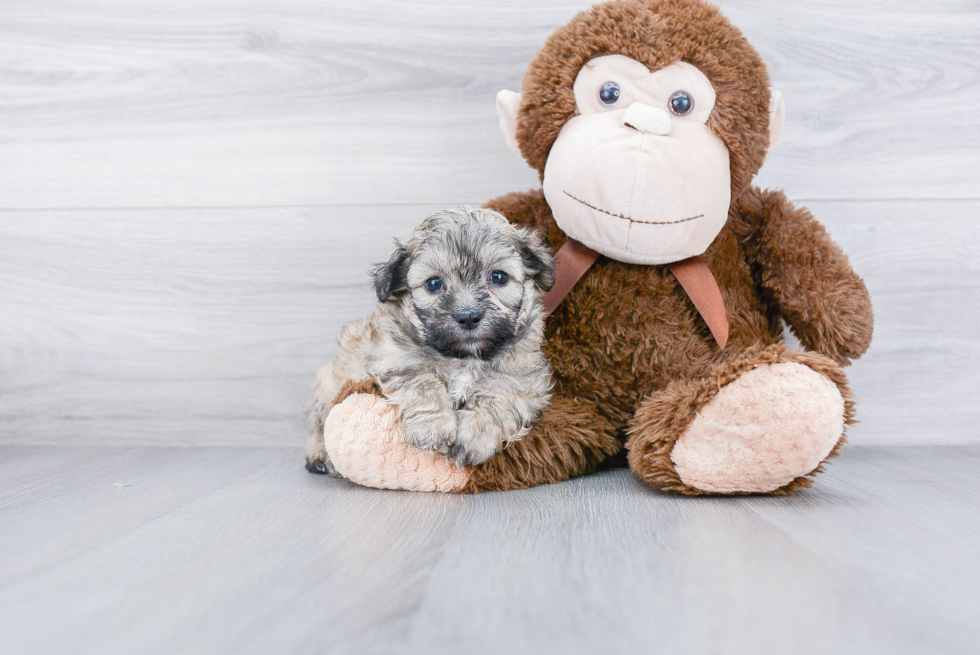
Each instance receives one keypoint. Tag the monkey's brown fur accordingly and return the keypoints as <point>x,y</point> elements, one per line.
<point>664,415</point>
<point>630,354</point>
<point>350,387</point>
<point>656,33</point>
<point>571,439</point>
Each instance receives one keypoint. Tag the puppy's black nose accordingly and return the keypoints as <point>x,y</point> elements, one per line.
<point>468,319</point>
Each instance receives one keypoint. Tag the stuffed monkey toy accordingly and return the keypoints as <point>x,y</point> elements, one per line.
<point>647,120</point>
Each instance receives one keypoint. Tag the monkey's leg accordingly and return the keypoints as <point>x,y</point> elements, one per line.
<point>365,444</point>
<point>763,422</point>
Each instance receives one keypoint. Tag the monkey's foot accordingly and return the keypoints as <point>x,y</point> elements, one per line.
<point>753,427</point>
<point>366,445</point>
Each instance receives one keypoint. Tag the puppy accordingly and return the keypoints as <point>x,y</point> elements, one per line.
<point>455,343</point>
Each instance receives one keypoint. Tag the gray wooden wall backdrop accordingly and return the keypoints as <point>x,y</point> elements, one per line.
<point>192,191</point>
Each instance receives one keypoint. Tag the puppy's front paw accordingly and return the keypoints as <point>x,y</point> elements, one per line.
<point>478,439</point>
<point>432,432</point>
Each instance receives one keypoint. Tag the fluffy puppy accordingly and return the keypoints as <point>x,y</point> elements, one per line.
<point>455,343</point>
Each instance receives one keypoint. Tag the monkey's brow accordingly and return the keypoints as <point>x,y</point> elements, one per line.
<point>627,218</point>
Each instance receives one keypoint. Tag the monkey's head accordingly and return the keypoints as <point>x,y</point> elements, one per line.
<point>644,119</point>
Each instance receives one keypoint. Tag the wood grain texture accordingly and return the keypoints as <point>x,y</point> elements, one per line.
<point>933,495</point>
<point>58,497</point>
<point>880,557</point>
<point>229,103</point>
<point>200,326</point>
<point>206,326</point>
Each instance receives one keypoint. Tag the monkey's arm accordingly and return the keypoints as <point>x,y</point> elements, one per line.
<point>806,274</point>
<point>367,446</point>
<point>570,439</point>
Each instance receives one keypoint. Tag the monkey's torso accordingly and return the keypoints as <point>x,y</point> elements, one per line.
<point>627,330</point>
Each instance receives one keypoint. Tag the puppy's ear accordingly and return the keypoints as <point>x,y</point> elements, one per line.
<point>539,265</point>
<point>391,278</point>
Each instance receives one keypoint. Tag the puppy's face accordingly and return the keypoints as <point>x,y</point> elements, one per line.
<point>468,281</point>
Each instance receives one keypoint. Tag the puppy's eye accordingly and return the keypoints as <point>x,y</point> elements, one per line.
<point>499,278</point>
<point>681,103</point>
<point>433,284</point>
<point>609,94</point>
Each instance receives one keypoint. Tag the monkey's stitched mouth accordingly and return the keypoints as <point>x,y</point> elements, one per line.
<point>627,218</point>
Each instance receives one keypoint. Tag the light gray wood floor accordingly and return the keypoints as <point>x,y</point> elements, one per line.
<point>212,550</point>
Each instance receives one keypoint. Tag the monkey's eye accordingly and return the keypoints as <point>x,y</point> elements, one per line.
<point>609,94</point>
<point>433,284</point>
<point>681,103</point>
<point>499,278</point>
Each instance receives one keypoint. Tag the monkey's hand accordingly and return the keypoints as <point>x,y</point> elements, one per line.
<point>366,444</point>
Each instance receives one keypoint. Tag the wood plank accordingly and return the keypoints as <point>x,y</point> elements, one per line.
<point>605,564</point>
<point>904,523</point>
<point>56,503</point>
<point>205,326</point>
<point>224,103</point>
<point>919,261</point>
<point>126,325</point>
<point>283,562</point>
<point>878,557</point>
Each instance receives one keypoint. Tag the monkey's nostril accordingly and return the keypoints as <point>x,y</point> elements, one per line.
<point>469,319</point>
<point>647,119</point>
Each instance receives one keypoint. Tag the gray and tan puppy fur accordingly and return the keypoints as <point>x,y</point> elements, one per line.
<point>455,342</point>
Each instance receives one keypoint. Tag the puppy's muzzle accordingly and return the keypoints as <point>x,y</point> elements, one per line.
<point>469,318</point>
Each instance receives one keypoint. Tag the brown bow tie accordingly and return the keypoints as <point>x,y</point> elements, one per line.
<point>573,259</point>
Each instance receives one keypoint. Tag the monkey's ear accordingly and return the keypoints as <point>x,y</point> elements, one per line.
<point>507,104</point>
<point>777,118</point>
<point>391,277</point>
<point>536,257</point>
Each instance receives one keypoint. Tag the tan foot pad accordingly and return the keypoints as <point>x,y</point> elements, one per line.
<point>772,425</point>
<point>365,443</point>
